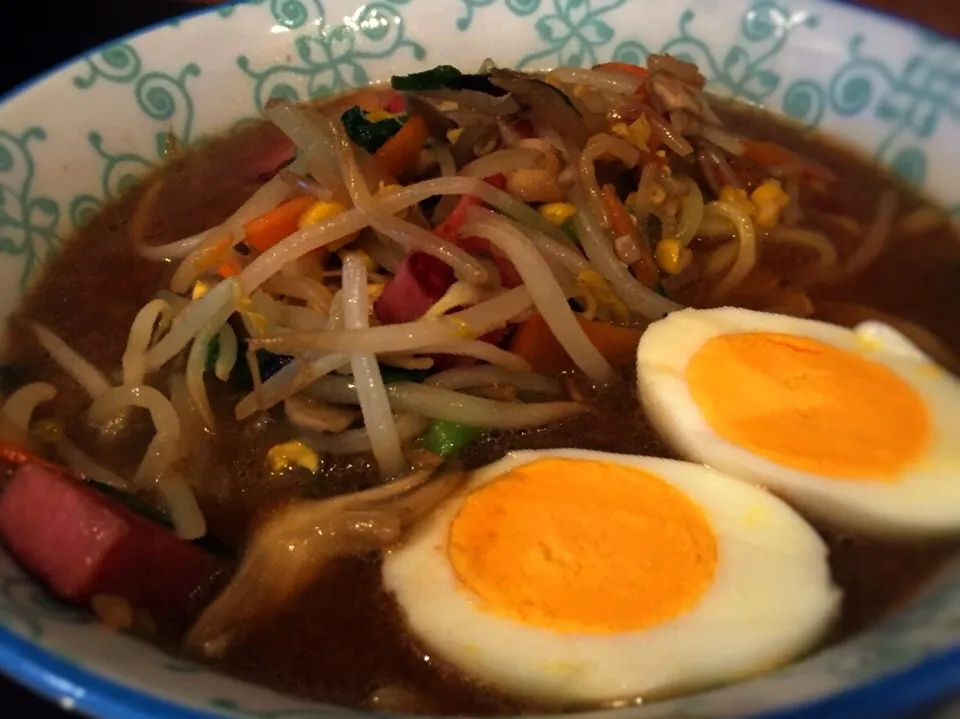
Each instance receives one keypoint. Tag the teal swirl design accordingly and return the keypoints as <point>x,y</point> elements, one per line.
<point>572,33</point>
<point>743,70</point>
<point>164,99</point>
<point>28,223</point>
<point>117,63</point>
<point>25,608</point>
<point>520,8</point>
<point>912,100</point>
<point>333,58</point>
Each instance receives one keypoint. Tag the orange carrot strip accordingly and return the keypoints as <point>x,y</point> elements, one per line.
<point>402,150</point>
<point>535,343</point>
<point>645,269</point>
<point>626,67</point>
<point>268,229</point>
<point>770,154</point>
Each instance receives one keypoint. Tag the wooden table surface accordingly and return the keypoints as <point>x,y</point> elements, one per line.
<point>33,47</point>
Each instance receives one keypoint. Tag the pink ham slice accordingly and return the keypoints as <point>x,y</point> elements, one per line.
<point>82,543</point>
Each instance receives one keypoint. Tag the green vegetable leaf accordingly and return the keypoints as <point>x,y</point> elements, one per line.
<point>213,352</point>
<point>435,79</point>
<point>445,77</point>
<point>392,375</point>
<point>570,231</point>
<point>443,437</point>
<point>369,135</point>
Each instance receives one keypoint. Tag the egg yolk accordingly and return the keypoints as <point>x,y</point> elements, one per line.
<point>583,546</point>
<point>808,405</point>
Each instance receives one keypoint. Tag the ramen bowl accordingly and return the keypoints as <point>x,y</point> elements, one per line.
<point>73,140</point>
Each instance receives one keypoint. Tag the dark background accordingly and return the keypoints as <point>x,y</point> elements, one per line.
<point>56,31</point>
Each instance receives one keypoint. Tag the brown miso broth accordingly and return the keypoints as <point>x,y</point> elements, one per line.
<point>343,639</point>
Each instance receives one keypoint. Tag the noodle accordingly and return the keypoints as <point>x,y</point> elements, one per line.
<point>408,235</point>
<point>327,232</point>
<point>307,414</point>
<point>162,450</point>
<point>213,308</point>
<point>746,246</point>
<point>84,465</point>
<point>209,244</point>
<point>876,237</point>
<point>134,361</point>
<point>597,146</point>
<point>377,418</point>
<point>291,378</point>
<point>227,348</point>
<point>86,375</point>
<point>407,336</point>
<point>181,503</point>
<point>690,216</point>
<point>826,252</point>
<point>17,411</point>
<point>620,83</point>
<point>482,376</point>
<point>357,441</point>
<point>478,349</point>
<point>549,299</point>
<point>477,411</point>
<point>502,162</point>
<point>599,249</point>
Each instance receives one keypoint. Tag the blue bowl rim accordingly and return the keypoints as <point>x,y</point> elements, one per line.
<point>74,687</point>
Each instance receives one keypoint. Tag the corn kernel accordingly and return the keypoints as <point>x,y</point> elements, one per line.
<point>640,132</point>
<point>596,291</point>
<point>620,129</point>
<point>47,431</point>
<point>320,211</point>
<point>770,199</point>
<point>672,257</point>
<point>200,288</point>
<point>557,212</point>
<point>454,135</point>
<point>288,454</point>
<point>113,611</point>
<point>738,198</point>
<point>367,260</point>
<point>379,115</point>
<point>374,290</point>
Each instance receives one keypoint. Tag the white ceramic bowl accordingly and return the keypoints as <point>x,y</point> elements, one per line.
<point>72,140</point>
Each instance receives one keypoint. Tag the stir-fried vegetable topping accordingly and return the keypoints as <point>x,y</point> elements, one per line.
<point>501,226</point>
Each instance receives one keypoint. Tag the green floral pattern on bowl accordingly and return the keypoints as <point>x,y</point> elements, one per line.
<point>891,90</point>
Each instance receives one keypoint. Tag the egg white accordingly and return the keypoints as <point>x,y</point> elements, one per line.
<point>771,599</point>
<point>923,500</point>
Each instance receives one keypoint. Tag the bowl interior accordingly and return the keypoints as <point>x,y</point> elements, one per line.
<point>891,90</point>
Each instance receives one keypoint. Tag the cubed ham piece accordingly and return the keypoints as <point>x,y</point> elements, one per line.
<point>418,283</point>
<point>82,543</point>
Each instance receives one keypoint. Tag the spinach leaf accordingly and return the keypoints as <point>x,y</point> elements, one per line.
<point>369,135</point>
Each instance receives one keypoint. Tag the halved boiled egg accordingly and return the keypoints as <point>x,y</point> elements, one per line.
<point>856,426</point>
<point>573,577</point>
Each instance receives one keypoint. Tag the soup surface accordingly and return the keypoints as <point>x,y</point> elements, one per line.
<point>339,635</point>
